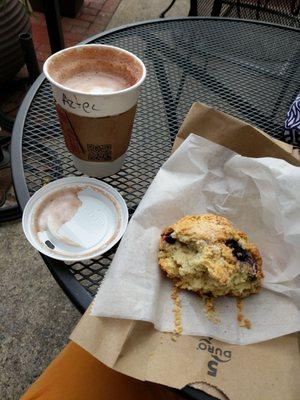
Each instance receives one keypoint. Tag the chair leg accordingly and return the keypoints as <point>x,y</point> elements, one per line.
<point>216,9</point>
<point>54,27</point>
<point>6,123</point>
<point>193,9</point>
<point>258,8</point>
<point>162,15</point>
<point>11,214</point>
<point>27,46</point>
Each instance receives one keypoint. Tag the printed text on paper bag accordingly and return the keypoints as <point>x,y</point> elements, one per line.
<point>217,354</point>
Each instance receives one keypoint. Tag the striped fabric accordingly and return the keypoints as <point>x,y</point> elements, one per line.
<point>292,124</point>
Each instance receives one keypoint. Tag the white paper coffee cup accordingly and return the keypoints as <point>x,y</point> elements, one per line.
<point>96,125</point>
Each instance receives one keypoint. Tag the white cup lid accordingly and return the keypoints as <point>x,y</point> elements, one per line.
<point>75,219</point>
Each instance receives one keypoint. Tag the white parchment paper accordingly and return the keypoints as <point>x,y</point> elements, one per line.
<point>260,196</point>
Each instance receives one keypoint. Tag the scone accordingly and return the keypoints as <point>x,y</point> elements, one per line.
<point>205,254</point>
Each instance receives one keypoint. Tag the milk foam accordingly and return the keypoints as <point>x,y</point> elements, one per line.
<point>97,82</point>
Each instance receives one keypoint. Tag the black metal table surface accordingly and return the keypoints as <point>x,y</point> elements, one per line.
<point>246,68</point>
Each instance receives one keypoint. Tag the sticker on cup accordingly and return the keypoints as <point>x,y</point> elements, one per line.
<point>75,219</point>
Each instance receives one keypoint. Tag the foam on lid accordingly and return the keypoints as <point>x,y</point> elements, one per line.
<point>56,209</point>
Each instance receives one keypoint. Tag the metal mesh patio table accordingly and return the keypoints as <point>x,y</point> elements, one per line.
<point>246,68</point>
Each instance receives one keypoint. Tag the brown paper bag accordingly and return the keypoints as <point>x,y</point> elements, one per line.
<point>263,371</point>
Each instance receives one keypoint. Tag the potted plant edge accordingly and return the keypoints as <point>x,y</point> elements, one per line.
<point>14,19</point>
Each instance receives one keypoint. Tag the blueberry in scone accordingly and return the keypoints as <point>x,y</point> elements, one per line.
<point>205,254</point>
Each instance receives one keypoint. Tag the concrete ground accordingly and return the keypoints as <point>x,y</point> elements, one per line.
<point>35,316</point>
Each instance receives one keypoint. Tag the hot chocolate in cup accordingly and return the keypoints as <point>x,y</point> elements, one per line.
<point>96,90</point>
